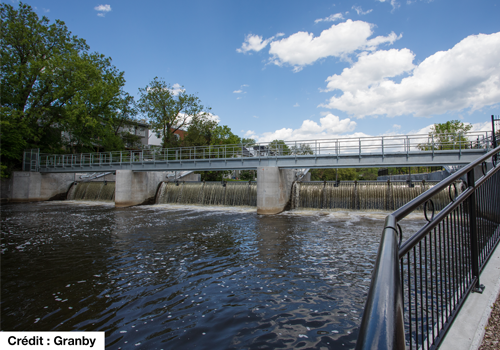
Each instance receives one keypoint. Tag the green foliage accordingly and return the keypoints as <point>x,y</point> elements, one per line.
<point>200,132</point>
<point>247,142</point>
<point>247,175</point>
<point>447,135</point>
<point>168,110</point>
<point>279,147</point>
<point>302,149</point>
<point>223,136</point>
<point>344,174</point>
<point>367,174</point>
<point>213,175</point>
<point>56,96</point>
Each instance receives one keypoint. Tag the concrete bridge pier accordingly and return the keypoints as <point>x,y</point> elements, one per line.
<point>273,189</point>
<point>136,187</point>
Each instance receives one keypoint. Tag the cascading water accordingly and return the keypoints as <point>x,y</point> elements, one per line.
<point>208,193</point>
<point>92,191</point>
<point>366,195</point>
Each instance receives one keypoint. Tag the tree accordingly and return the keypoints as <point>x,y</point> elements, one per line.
<point>248,142</point>
<point>341,174</point>
<point>279,147</point>
<point>56,96</point>
<point>224,136</point>
<point>449,135</point>
<point>247,175</point>
<point>200,132</point>
<point>169,110</point>
<point>125,119</point>
<point>302,149</point>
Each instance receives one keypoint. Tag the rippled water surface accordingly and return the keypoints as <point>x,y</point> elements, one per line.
<point>172,277</point>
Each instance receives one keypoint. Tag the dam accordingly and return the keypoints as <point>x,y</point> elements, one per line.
<point>346,195</point>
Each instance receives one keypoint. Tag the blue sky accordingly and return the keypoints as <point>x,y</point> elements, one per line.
<point>306,69</point>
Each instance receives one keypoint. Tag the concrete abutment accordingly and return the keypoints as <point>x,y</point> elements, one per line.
<point>25,186</point>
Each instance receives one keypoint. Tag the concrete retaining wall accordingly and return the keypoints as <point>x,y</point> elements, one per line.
<point>25,186</point>
<point>109,177</point>
<point>191,177</point>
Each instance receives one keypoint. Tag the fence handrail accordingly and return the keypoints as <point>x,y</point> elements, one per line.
<point>382,325</point>
<point>353,142</point>
<point>424,197</point>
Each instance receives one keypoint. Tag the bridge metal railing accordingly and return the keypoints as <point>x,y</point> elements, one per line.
<point>418,287</point>
<point>337,147</point>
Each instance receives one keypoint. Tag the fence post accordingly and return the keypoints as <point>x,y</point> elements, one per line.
<point>478,288</point>
<point>494,135</point>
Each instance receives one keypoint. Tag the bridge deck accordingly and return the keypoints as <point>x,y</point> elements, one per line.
<point>384,151</point>
<point>412,159</point>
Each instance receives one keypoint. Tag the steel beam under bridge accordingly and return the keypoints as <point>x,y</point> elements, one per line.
<point>70,163</point>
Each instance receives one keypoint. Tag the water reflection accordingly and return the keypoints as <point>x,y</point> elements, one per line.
<point>180,277</point>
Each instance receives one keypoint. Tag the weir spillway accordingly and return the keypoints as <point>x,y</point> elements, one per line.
<point>349,195</point>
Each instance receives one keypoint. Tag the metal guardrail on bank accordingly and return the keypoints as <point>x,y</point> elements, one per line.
<point>418,287</point>
<point>356,147</point>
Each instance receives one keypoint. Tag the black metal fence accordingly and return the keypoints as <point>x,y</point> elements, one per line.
<point>418,287</point>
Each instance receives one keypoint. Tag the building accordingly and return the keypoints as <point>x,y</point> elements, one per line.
<point>154,138</point>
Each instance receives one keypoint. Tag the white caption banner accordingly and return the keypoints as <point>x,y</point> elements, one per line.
<point>52,340</point>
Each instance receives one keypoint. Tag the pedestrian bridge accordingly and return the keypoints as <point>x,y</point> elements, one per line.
<point>363,152</point>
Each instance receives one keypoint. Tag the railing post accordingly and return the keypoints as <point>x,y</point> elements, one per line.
<point>382,147</point>
<point>478,288</point>
<point>493,135</point>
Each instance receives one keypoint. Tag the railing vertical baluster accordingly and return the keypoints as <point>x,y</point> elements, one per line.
<point>473,231</point>
<point>409,301</point>
<point>415,279</point>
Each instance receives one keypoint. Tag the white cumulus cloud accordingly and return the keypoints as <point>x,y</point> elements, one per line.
<point>466,76</point>
<point>393,3</point>
<point>360,11</point>
<point>255,43</point>
<point>102,9</point>
<point>303,48</point>
<point>372,68</point>
<point>177,89</point>
<point>331,18</point>
<point>330,126</point>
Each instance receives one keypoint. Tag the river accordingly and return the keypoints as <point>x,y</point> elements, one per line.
<point>183,277</point>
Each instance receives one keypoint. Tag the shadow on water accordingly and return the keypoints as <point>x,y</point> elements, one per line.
<point>161,276</point>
